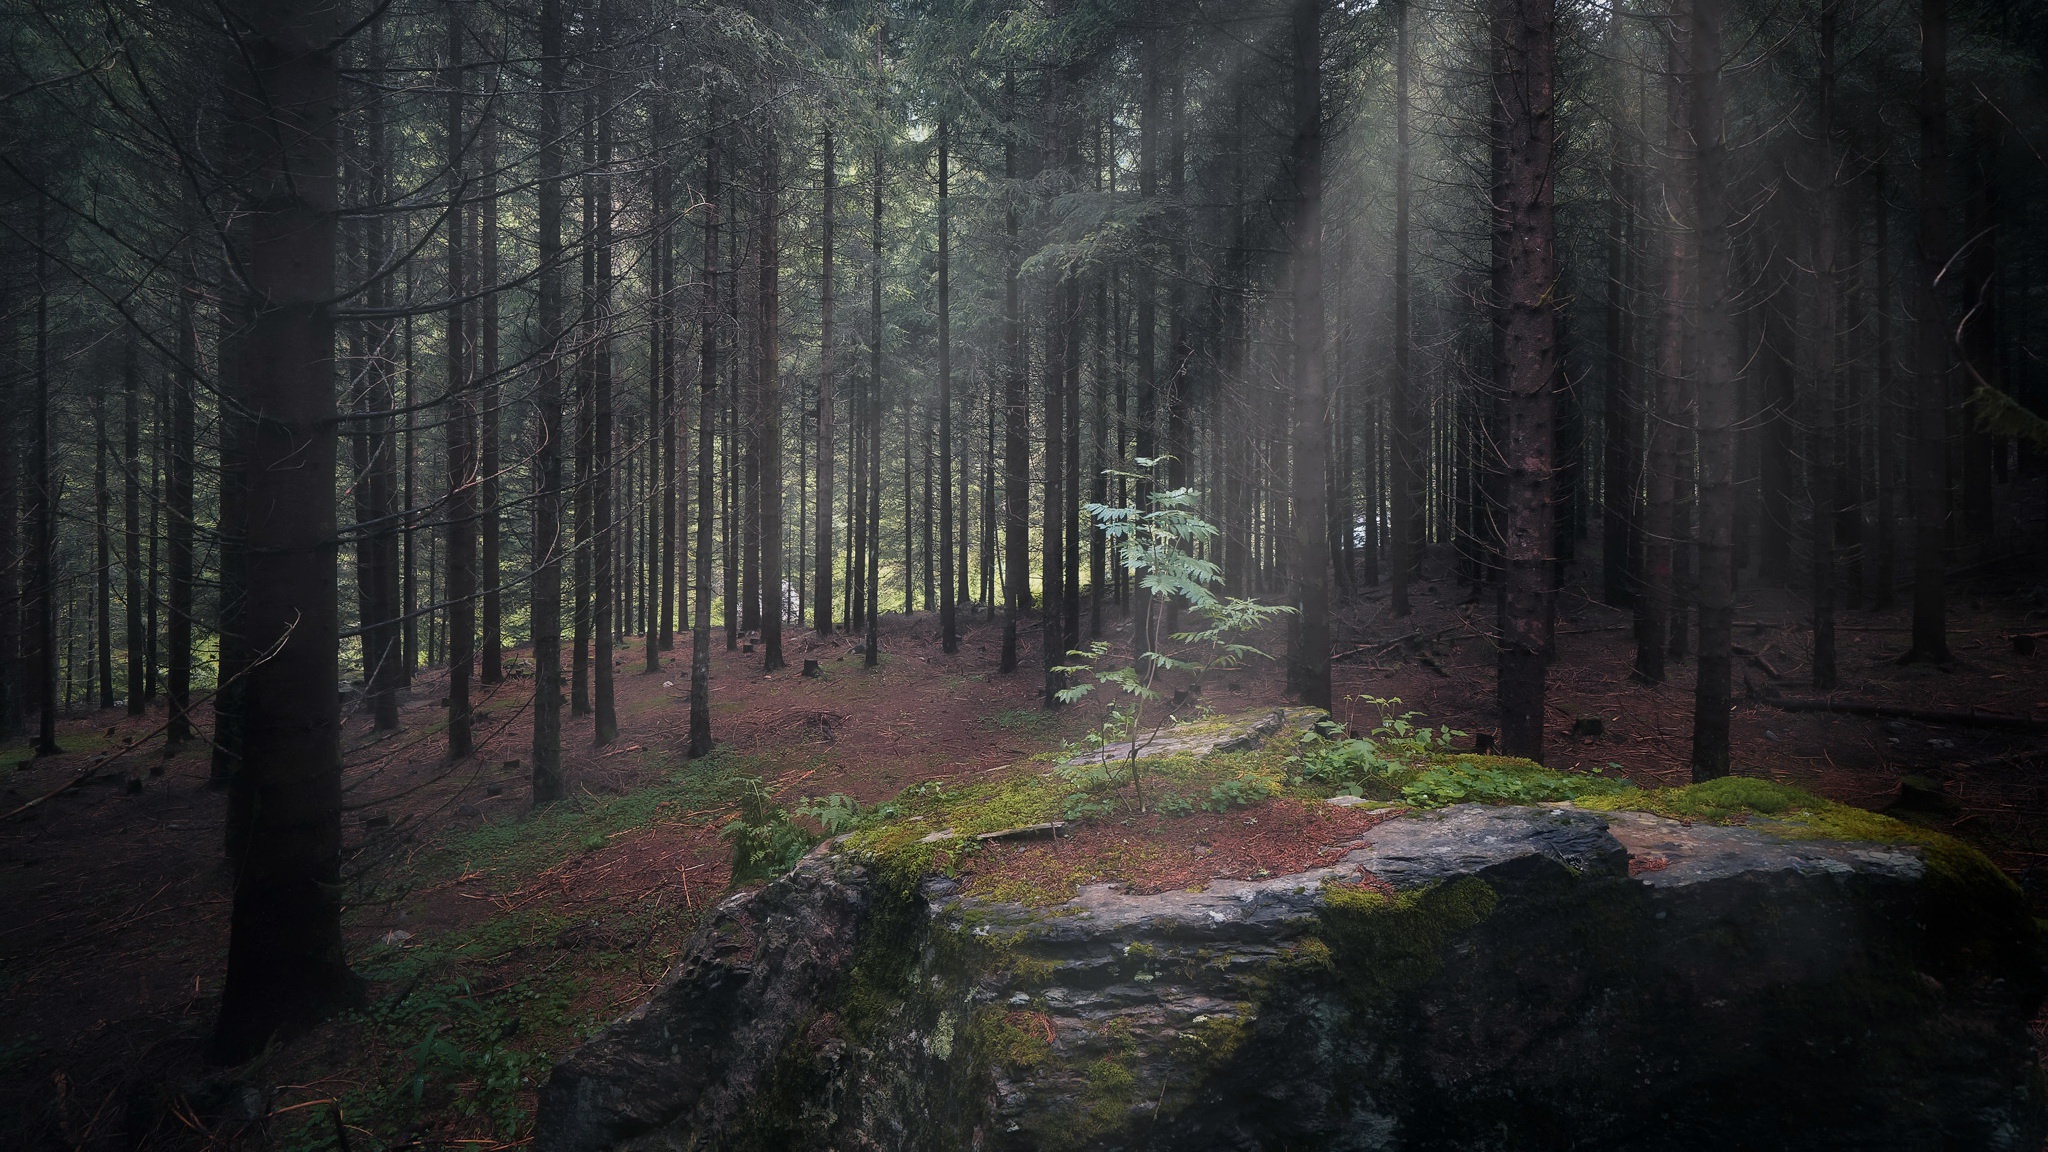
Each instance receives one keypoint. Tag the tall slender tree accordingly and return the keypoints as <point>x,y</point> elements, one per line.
<point>286,966</point>
<point>1526,127</point>
<point>1308,654</point>
<point>545,589</point>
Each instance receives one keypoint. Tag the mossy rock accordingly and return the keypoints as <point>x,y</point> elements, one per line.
<point>1736,964</point>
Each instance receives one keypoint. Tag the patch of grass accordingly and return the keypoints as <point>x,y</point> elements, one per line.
<point>546,836</point>
<point>1034,722</point>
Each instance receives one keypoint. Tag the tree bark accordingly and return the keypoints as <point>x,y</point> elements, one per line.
<point>546,588</point>
<point>821,552</point>
<point>43,511</point>
<point>700,743</point>
<point>1654,601</point>
<point>1016,446</point>
<point>1401,470</point>
<point>103,559</point>
<point>460,513</point>
<point>490,649</point>
<point>286,967</point>
<point>1930,433</point>
<point>949,624</point>
<point>1526,125</point>
<point>1308,655</point>
<point>604,537</point>
<point>131,523</point>
<point>770,409</point>
<point>1718,397</point>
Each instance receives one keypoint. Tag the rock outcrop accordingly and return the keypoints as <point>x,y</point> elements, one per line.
<point>1475,977</point>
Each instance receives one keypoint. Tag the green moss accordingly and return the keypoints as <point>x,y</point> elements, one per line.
<point>1209,1042</point>
<point>1015,1040</point>
<point>1784,811</point>
<point>1383,945</point>
<point>1730,798</point>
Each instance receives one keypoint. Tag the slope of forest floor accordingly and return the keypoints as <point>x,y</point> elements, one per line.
<point>492,937</point>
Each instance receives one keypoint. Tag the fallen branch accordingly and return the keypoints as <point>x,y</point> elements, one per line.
<point>1952,717</point>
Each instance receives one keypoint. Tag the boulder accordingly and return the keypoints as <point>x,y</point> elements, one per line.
<point>1475,977</point>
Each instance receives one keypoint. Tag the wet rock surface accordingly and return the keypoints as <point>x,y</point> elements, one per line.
<point>1472,978</point>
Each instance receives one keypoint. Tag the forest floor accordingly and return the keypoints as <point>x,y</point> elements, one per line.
<point>492,937</point>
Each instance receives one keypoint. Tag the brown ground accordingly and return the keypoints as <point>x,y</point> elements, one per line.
<point>115,900</point>
<point>1165,853</point>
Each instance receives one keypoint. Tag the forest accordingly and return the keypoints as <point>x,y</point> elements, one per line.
<point>487,484</point>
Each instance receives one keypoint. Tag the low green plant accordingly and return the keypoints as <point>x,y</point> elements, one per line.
<point>1160,548</point>
<point>1354,765</point>
<point>765,840</point>
<point>836,813</point>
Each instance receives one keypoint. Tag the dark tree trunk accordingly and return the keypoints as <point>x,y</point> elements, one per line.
<point>377,549</point>
<point>1930,432</point>
<point>871,651</point>
<point>949,625</point>
<point>604,536</point>
<point>1884,574</point>
<point>1825,387</point>
<point>1717,390</point>
<point>583,513</point>
<point>770,410</point>
<point>131,523</point>
<point>178,498</point>
<point>286,967</point>
<point>1144,637</point>
<point>1619,419</point>
<point>1654,599</point>
<point>821,552</point>
<point>1016,445</point>
<point>1308,654</point>
<point>460,513</point>
<point>707,391</point>
<point>13,679</point>
<point>43,510</point>
<point>490,650</point>
<point>546,589</point>
<point>1526,125</point>
<point>1402,475</point>
<point>103,560</point>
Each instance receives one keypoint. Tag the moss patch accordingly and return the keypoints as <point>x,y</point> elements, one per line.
<point>1382,945</point>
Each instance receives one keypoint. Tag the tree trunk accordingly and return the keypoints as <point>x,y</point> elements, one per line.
<point>460,514</point>
<point>604,538</point>
<point>1884,574</point>
<point>546,589</point>
<point>821,552</point>
<point>583,513</point>
<point>1401,471</point>
<point>1654,601</point>
<point>949,625</point>
<point>770,410</point>
<point>707,392</point>
<point>1016,446</point>
<point>1717,390</point>
<point>43,510</point>
<point>1527,126</point>
<point>1308,654</point>
<point>1619,411</point>
<point>871,651</point>
<point>131,523</point>
<point>1930,433</point>
<point>13,674</point>
<point>490,651</point>
<point>1825,388</point>
<point>286,967</point>
<point>103,559</point>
